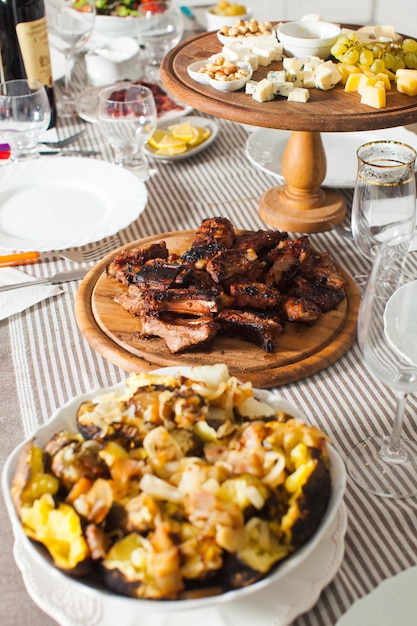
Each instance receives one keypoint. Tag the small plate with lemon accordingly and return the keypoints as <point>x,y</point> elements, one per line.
<point>182,139</point>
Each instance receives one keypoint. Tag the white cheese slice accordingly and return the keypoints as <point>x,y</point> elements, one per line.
<point>264,91</point>
<point>299,94</point>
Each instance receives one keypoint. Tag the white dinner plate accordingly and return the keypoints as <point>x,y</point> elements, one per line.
<point>59,202</point>
<point>400,321</point>
<point>394,601</point>
<point>265,147</point>
<point>87,104</point>
<point>195,121</point>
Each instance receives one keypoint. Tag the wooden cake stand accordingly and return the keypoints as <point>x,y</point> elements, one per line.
<point>301,204</point>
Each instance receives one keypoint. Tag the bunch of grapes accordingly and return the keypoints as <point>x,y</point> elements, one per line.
<point>378,55</point>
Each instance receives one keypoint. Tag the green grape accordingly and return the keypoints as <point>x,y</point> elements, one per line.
<point>366,57</point>
<point>377,66</point>
<point>341,46</point>
<point>409,45</point>
<point>375,51</point>
<point>351,56</point>
<point>398,63</point>
<point>388,60</point>
<point>410,60</point>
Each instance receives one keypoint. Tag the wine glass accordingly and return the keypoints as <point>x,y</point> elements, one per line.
<point>70,25</point>
<point>160,27</point>
<point>386,465</point>
<point>25,113</point>
<point>127,118</point>
<point>384,200</point>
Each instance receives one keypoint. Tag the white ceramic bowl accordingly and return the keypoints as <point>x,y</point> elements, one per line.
<point>109,26</point>
<point>219,85</point>
<point>308,38</point>
<point>133,609</point>
<point>215,22</point>
<point>194,121</point>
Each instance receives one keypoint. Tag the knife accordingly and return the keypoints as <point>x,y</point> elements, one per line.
<point>56,279</point>
<point>74,152</point>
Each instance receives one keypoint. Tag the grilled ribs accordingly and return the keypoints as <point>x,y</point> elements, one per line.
<point>250,284</point>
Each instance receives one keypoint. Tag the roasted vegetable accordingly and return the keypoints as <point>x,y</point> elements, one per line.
<point>176,487</point>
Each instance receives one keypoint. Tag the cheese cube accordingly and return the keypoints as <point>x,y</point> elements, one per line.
<point>374,95</point>
<point>283,89</point>
<point>309,63</point>
<point>264,91</point>
<point>308,78</point>
<point>291,64</point>
<point>384,78</point>
<point>250,86</point>
<point>353,81</point>
<point>267,53</point>
<point>299,94</point>
<point>407,84</point>
<point>346,69</point>
<point>295,77</point>
<point>326,75</point>
<point>252,59</point>
<point>276,76</point>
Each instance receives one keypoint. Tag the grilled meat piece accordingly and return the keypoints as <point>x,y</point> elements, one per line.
<point>324,297</point>
<point>228,264</point>
<point>162,275</point>
<point>260,329</point>
<point>178,332</point>
<point>199,256</point>
<point>319,269</point>
<point>299,310</point>
<point>259,240</point>
<point>131,300</point>
<point>217,230</point>
<point>189,301</point>
<point>254,295</point>
<point>284,268</point>
<point>299,248</point>
<point>126,264</point>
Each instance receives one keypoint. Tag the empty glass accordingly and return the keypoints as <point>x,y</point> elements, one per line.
<point>127,118</point>
<point>384,201</point>
<point>70,25</point>
<point>160,27</point>
<point>25,114</point>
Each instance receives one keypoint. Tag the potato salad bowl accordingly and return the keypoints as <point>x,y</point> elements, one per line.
<point>178,488</point>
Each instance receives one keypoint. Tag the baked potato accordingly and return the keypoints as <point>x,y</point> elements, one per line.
<point>177,487</point>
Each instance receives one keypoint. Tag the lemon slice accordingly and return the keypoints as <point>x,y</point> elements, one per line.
<point>171,142</point>
<point>183,131</point>
<point>157,137</point>
<point>200,135</point>
<point>172,150</point>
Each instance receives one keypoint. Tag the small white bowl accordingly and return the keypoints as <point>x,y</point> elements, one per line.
<point>220,85</point>
<point>215,22</point>
<point>308,38</point>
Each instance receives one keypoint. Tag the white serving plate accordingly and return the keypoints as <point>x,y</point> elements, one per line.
<point>59,202</point>
<point>292,589</point>
<point>265,147</point>
<point>394,601</point>
<point>219,85</point>
<point>87,105</point>
<point>195,121</point>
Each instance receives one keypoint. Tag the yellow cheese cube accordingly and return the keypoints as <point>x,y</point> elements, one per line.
<point>346,69</point>
<point>390,74</point>
<point>407,86</point>
<point>353,81</point>
<point>384,78</point>
<point>366,81</point>
<point>374,95</point>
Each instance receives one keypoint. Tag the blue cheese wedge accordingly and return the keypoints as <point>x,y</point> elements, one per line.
<point>264,91</point>
<point>299,94</point>
<point>326,75</point>
<point>251,86</point>
<point>283,89</point>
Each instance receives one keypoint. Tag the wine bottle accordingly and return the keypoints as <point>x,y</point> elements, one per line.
<point>24,45</point>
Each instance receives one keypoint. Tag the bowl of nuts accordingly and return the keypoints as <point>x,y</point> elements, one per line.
<point>221,74</point>
<point>243,30</point>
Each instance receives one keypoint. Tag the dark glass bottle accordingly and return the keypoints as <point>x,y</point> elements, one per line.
<point>24,45</point>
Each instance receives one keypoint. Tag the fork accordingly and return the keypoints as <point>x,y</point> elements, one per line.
<point>61,143</point>
<point>80,255</point>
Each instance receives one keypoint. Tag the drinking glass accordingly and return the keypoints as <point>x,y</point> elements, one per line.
<point>384,200</point>
<point>127,119</point>
<point>160,27</point>
<point>25,114</point>
<point>70,25</point>
<point>386,465</point>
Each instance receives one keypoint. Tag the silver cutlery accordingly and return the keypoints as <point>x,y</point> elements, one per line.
<point>83,255</point>
<point>75,152</point>
<point>56,279</point>
<point>61,143</point>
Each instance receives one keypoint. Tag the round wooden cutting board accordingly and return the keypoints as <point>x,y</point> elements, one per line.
<point>303,350</point>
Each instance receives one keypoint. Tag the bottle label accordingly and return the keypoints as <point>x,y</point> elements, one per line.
<point>34,46</point>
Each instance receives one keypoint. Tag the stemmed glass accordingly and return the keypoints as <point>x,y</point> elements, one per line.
<point>160,27</point>
<point>387,335</point>
<point>127,118</point>
<point>70,25</point>
<point>25,114</point>
<point>384,200</point>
